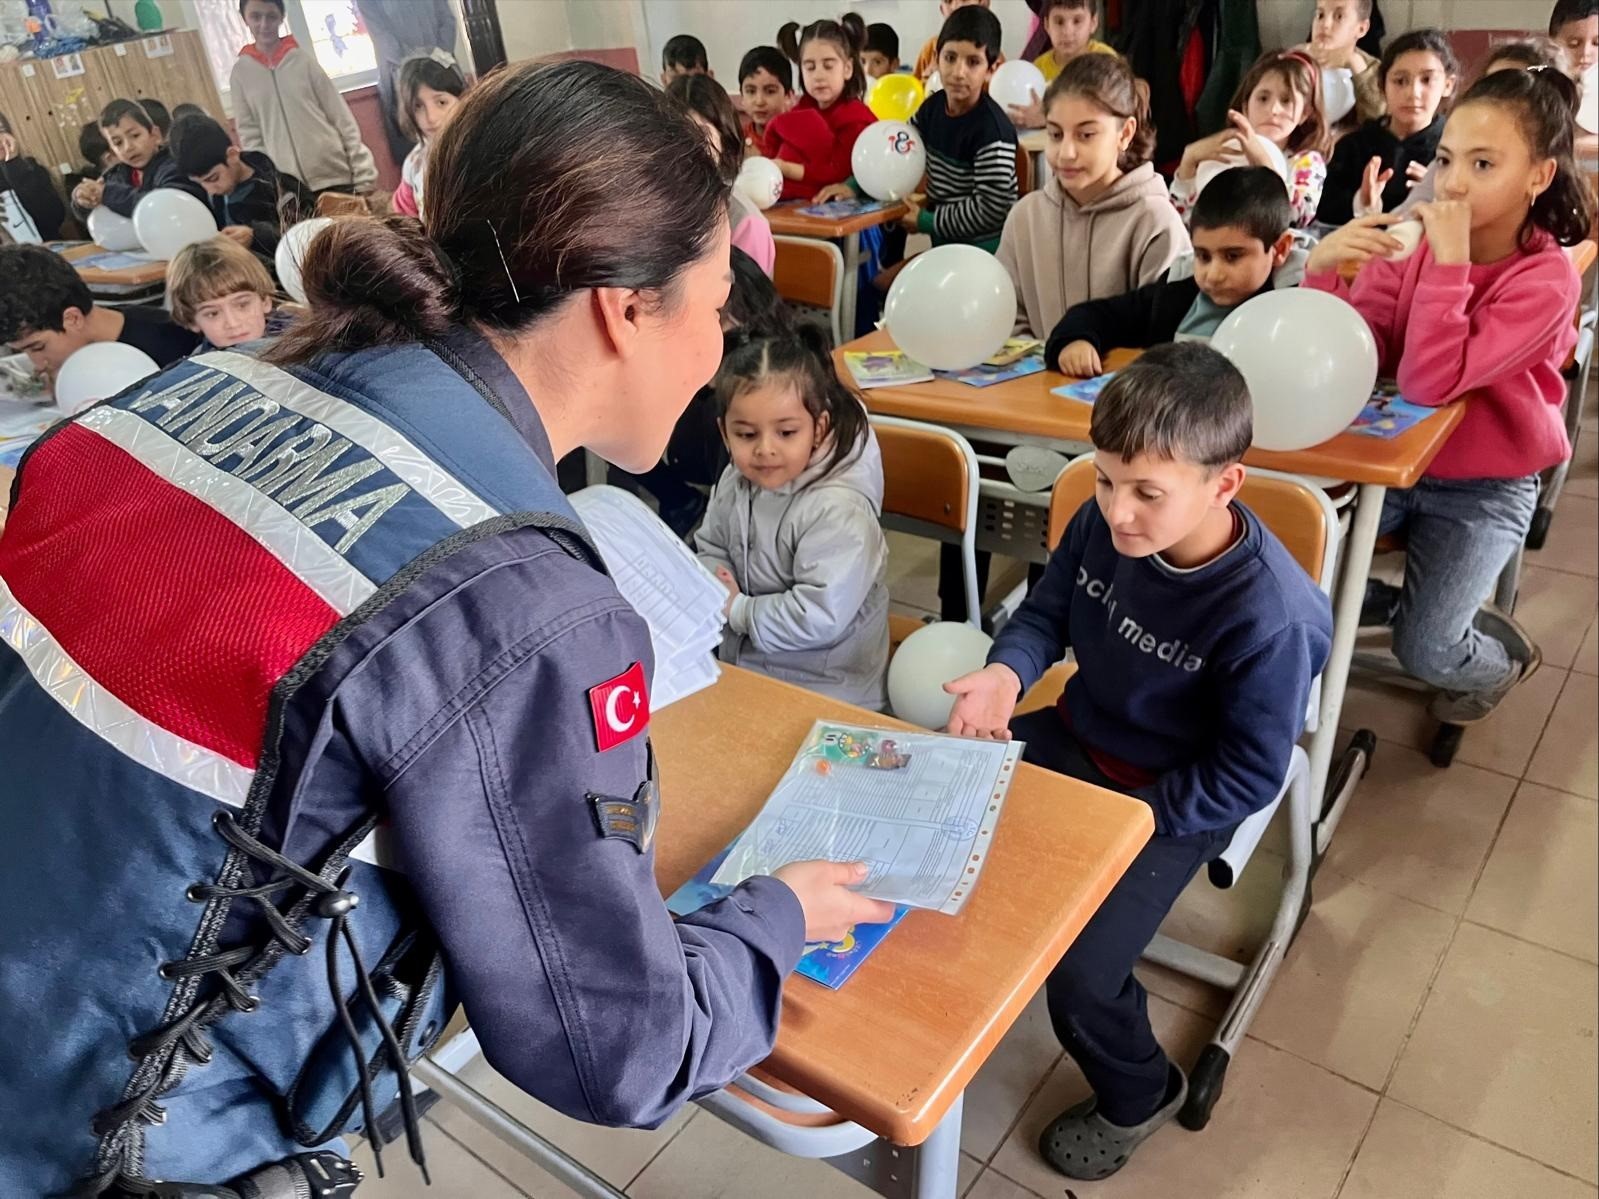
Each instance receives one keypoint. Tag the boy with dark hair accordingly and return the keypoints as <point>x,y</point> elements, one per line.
<point>684,54</point>
<point>179,111</point>
<point>158,113</point>
<point>250,198</point>
<point>1071,25</point>
<point>47,313</point>
<point>143,163</point>
<point>927,58</point>
<point>1197,638</point>
<point>881,55</point>
<point>1243,246</point>
<point>971,145</point>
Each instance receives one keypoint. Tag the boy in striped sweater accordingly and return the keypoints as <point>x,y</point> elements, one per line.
<point>970,142</point>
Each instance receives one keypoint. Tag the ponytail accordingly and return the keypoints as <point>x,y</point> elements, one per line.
<point>1544,104</point>
<point>848,34</point>
<point>1107,82</point>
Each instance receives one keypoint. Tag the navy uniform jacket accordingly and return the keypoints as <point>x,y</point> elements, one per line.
<point>460,710</point>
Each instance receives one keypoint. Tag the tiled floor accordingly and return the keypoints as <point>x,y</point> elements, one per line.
<point>1432,1035</point>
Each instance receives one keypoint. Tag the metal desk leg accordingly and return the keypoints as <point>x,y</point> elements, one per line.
<point>926,1171</point>
<point>1359,547</point>
<point>847,295</point>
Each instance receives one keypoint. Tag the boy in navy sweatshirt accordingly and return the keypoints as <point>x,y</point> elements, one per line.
<point>1197,637</point>
<point>143,163</point>
<point>1243,246</point>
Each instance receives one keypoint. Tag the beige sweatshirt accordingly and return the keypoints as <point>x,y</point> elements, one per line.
<point>290,109</point>
<point>1060,253</point>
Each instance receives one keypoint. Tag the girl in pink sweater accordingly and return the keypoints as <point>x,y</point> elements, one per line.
<point>812,142</point>
<point>1485,306</point>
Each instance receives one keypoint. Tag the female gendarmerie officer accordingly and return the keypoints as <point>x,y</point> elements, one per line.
<point>318,713</point>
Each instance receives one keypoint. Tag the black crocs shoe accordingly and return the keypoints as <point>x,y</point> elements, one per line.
<point>1082,1144</point>
<point>1381,605</point>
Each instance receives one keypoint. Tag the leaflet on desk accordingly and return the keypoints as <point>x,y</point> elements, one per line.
<point>920,809</point>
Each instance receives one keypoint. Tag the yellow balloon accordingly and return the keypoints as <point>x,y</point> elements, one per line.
<point>896,97</point>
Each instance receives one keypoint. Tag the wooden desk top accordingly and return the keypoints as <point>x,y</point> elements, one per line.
<point>1032,140</point>
<point>786,220</point>
<point>133,276</point>
<point>1026,406</point>
<point>895,1046</point>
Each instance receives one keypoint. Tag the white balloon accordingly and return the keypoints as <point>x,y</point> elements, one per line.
<point>1337,93</point>
<point>951,307</point>
<point>111,230</point>
<point>1309,359</point>
<point>1208,170</point>
<point>1409,235</point>
<point>1016,84</point>
<point>934,83</point>
<point>166,220</point>
<point>760,182</point>
<point>98,371</point>
<point>933,655</point>
<point>889,160</point>
<point>292,246</point>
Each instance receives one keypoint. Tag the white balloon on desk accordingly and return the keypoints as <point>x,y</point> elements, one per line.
<point>166,220</point>
<point>290,255</point>
<point>760,182</point>
<point>1309,359</point>
<point>951,307</point>
<point>98,371</point>
<point>1016,84</point>
<point>112,231</point>
<point>933,655</point>
<point>888,160</point>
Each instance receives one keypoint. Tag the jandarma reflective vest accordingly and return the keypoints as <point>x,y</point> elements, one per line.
<point>178,954</point>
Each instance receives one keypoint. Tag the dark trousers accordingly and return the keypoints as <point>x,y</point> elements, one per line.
<point>1099,1010</point>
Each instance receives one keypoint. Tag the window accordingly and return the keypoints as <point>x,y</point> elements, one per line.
<point>330,29</point>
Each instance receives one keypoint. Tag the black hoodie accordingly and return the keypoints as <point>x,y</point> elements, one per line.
<point>265,203</point>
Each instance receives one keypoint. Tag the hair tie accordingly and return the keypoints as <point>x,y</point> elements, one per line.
<point>443,57</point>
<point>1300,56</point>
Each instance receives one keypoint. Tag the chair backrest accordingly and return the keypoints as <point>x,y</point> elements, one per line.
<point>337,204</point>
<point>1024,171</point>
<point>810,273</point>
<point>926,474</point>
<point>1300,515</point>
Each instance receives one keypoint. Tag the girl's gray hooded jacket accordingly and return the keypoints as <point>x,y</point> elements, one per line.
<point>810,561</point>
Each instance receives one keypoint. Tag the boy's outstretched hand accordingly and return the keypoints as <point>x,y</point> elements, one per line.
<point>984,701</point>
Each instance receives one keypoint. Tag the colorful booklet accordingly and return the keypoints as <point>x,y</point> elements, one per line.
<point>1387,414</point>
<point>835,210</point>
<point>987,374</point>
<point>1015,349</point>
<point>827,962</point>
<point>1086,390</point>
<point>888,368</point>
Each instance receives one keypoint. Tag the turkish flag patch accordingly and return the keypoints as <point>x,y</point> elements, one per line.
<point>621,708</point>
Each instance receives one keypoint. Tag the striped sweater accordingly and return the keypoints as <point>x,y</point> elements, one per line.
<point>971,171</point>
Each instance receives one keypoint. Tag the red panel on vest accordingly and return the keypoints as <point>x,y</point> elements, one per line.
<point>621,708</point>
<point>189,621</point>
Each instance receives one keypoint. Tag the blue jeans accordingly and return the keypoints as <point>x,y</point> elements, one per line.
<point>1460,533</point>
<point>1099,1010</point>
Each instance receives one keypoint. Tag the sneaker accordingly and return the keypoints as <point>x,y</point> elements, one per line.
<point>1468,707</point>
<point>1082,1144</point>
<point>1380,606</point>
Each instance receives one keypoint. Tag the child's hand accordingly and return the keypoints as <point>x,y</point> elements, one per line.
<point>1239,124</point>
<point>88,193</point>
<point>1029,115</point>
<point>8,147</point>
<point>239,233</point>
<point>1207,149</point>
<point>913,211</point>
<point>1448,227</point>
<point>834,191</point>
<point>1415,172</point>
<point>1080,360</point>
<point>984,702</point>
<point>1359,241</point>
<point>726,579</point>
<point>1368,200</point>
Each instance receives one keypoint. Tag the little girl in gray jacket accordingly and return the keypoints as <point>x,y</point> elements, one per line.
<point>792,529</point>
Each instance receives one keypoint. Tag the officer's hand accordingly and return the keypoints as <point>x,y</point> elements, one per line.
<point>831,908</point>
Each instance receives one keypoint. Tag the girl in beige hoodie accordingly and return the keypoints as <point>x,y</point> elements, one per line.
<point>1102,224</point>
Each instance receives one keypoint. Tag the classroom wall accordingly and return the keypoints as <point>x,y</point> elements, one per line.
<point>534,28</point>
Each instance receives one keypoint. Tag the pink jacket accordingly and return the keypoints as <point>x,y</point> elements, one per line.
<point>1501,330</point>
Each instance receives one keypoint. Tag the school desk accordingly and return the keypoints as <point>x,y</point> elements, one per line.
<point>122,283</point>
<point>787,220</point>
<point>873,1072</point>
<point>1024,412</point>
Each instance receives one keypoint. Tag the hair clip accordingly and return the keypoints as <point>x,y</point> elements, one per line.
<point>504,265</point>
<point>443,57</point>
